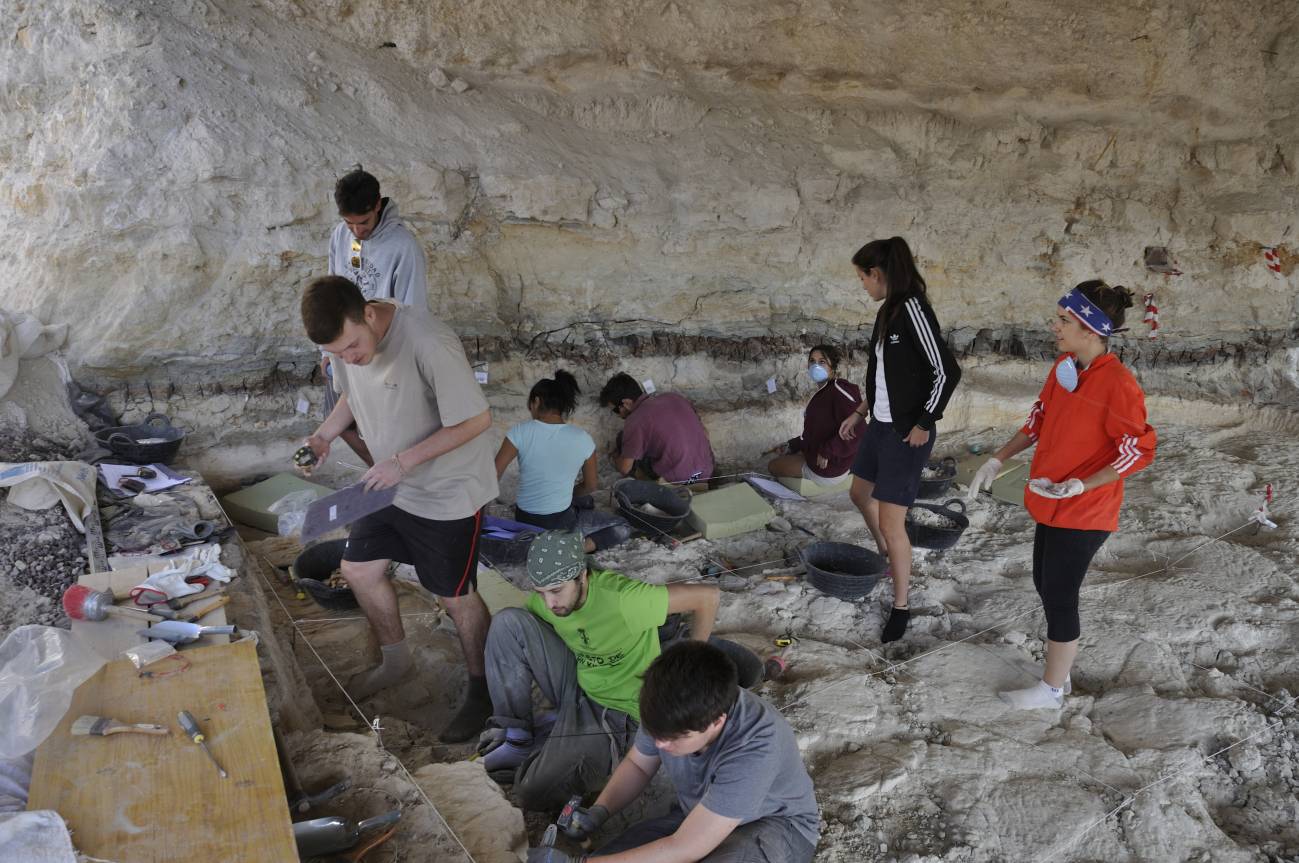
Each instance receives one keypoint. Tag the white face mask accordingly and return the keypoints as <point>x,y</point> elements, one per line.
<point>1066,374</point>
<point>818,373</point>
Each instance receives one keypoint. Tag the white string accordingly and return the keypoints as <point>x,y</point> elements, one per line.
<point>359,712</point>
<point>1060,849</point>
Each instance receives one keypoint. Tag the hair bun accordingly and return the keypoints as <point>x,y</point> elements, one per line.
<point>1122,296</point>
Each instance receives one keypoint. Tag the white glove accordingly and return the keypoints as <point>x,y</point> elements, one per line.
<point>1056,490</point>
<point>983,477</point>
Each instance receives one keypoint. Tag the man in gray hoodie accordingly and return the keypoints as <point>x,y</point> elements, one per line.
<point>372,247</point>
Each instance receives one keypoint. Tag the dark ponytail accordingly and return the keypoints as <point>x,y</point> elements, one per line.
<point>901,278</point>
<point>1112,300</point>
<point>557,394</point>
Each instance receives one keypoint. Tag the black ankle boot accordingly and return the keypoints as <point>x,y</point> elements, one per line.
<point>472,715</point>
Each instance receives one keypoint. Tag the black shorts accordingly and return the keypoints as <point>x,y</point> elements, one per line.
<point>563,520</point>
<point>444,553</point>
<point>885,459</point>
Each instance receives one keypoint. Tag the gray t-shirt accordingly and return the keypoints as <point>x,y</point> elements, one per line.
<point>419,381</point>
<point>752,770</point>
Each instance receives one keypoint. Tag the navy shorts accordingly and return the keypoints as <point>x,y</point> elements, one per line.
<point>444,553</point>
<point>885,459</point>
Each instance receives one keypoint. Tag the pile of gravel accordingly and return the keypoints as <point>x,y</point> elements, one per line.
<point>41,553</point>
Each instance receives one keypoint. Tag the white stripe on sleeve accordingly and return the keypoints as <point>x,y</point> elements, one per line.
<point>1129,454</point>
<point>930,344</point>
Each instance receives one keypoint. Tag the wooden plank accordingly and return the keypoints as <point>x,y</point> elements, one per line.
<point>159,799</point>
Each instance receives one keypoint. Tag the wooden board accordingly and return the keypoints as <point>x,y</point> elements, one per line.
<point>159,799</point>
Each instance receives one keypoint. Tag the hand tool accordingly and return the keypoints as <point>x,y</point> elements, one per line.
<point>84,603</point>
<point>190,726</point>
<point>321,836</point>
<point>305,457</point>
<point>102,726</point>
<point>195,612</point>
<point>182,632</point>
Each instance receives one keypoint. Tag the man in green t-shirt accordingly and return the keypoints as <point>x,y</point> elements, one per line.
<point>585,639</point>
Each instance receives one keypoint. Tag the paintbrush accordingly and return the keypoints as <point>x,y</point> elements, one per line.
<point>102,726</point>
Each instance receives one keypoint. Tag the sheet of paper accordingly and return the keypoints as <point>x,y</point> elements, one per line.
<point>773,488</point>
<point>771,384</point>
<point>113,475</point>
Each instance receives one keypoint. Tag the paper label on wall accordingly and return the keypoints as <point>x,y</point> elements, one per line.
<point>771,384</point>
<point>647,385</point>
<point>303,406</point>
<point>333,513</point>
<point>480,373</point>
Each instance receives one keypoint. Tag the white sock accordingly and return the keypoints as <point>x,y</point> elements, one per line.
<point>1040,695</point>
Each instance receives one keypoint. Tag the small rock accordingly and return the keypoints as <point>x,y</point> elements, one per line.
<point>438,78</point>
<point>1014,637</point>
<point>460,85</point>
<point>389,765</point>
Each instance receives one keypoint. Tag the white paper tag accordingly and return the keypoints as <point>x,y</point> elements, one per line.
<point>647,385</point>
<point>771,384</point>
<point>480,375</point>
<point>303,406</point>
<point>333,512</point>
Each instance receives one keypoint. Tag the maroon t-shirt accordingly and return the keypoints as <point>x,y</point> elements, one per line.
<point>825,411</point>
<point>665,427</point>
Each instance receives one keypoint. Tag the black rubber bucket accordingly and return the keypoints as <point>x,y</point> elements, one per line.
<point>747,663</point>
<point>936,536</point>
<point>674,501</point>
<point>311,571</point>
<point>841,570</point>
<point>942,473</point>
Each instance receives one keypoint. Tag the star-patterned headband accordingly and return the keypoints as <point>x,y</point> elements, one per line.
<point>1088,313</point>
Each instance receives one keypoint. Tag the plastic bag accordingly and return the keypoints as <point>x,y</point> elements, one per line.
<point>40,668</point>
<point>292,511</point>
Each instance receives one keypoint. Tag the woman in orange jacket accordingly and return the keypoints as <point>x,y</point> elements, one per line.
<point>1089,424</point>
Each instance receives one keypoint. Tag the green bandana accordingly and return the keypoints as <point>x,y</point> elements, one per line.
<point>555,557</point>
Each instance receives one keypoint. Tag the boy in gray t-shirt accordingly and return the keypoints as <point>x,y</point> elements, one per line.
<point>741,785</point>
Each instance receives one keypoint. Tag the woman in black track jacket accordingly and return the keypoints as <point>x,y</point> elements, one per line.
<point>909,380</point>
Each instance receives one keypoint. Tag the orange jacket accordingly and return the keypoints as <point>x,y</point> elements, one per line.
<point>1102,422</point>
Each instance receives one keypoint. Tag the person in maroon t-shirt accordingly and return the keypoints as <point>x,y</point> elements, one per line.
<point>819,454</point>
<point>663,437</point>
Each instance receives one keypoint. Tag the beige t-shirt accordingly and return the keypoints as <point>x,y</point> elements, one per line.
<point>419,381</point>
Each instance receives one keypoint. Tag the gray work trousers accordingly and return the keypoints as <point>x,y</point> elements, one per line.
<point>587,740</point>
<point>767,840</point>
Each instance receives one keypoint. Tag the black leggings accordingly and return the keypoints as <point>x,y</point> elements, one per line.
<point>1061,556</point>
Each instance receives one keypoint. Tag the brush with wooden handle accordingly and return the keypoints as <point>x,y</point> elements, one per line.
<point>102,726</point>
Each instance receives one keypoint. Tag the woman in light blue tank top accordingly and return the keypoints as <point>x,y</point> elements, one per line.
<point>552,454</point>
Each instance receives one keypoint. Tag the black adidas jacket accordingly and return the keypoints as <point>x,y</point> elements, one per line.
<point>920,372</point>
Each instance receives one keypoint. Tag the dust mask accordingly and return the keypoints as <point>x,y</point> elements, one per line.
<point>1066,374</point>
<point>818,373</point>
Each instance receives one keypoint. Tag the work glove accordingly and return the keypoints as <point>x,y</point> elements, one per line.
<point>547,854</point>
<point>584,822</point>
<point>983,477</point>
<point>1056,490</point>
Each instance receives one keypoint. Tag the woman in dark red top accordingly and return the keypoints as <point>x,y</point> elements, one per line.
<point>819,454</point>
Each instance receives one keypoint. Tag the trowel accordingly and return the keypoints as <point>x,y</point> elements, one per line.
<point>321,836</point>
<point>180,632</point>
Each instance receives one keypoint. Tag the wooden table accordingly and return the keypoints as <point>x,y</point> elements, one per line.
<point>133,797</point>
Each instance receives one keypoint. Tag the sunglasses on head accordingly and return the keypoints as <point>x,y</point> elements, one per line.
<point>356,254</point>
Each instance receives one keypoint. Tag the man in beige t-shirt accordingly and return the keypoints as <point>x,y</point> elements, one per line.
<point>403,377</point>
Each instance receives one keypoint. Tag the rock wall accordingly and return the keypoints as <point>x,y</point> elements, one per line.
<point>589,172</point>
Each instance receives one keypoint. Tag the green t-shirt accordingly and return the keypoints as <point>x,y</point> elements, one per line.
<point>614,636</point>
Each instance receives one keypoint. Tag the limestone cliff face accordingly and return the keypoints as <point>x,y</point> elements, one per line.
<point>698,168</point>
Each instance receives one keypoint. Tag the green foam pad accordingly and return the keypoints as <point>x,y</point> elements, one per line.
<point>1008,487</point>
<point>497,592</point>
<point>807,488</point>
<point>249,505</point>
<point>969,464</point>
<point>729,511</point>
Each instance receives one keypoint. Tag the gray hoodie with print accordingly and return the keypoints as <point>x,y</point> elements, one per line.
<point>391,262</point>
